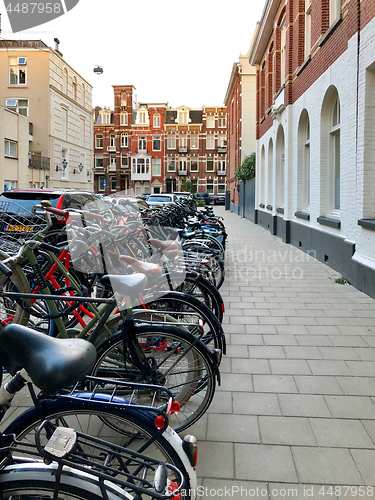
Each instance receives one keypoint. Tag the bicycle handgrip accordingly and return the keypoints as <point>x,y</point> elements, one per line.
<point>57,211</point>
<point>95,216</point>
<point>5,270</point>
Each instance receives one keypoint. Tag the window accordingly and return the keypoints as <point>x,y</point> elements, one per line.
<point>17,71</point>
<point>99,140</point>
<point>182,141</point>
<point>142,143</point>
<point>124,160</point>
<point>171,142</point>
<point>124,140</point>
<point>210,122</point>
<point>106,118</point>
<point>209,165</point>
<point>303,169</point>
<point>156,120</point>
<point>221,186</point>
<point>222,121</point>
<point>171,165</point>
<point>156,143</point>
<point>65,81</point>
<point>83,95</point>
<point>123,119</point>
<point>335,152</point>
<point>182,165</point>
<point>280,160</point>
<point>194,141</point>
<point>222,141</point>
<point>194,165</point>
<point>194,186</point>
<point>64,171</point>
<point>112,141</point>
<point>101,183</point>
<point>156,189</point>
<point>183,117</point>
<point>210,186</point>
<point>146,188</point>
<point>142,117</point>
<point>99,161</point>
<point>113,183</point>
<point>20,106</point>
<point>282,51</point>
<point>137,189</point>
<point>156,167</point>
<point>112,159</point>
<point>334,10</point>
<point>210,142</point>
<point>10,148</point>
<point>74,90</point>
<point>64,122</point>
<point>307,28</point>
<point>141,165</point>
<point>221,165</point>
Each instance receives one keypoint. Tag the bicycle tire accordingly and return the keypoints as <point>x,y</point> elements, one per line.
<point>129,429</point>
<point>37,482</point>
<point>189,369</point>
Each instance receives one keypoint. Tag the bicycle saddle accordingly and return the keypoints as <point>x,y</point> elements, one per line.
<point>165,245</point>
<point>141,266</point>
<point>130,285</point>
<point>51,363</point>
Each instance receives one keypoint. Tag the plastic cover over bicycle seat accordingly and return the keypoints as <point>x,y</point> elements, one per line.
<point>51,363</point>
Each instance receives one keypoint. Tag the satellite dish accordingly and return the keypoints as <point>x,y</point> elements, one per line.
<point>98,70</point>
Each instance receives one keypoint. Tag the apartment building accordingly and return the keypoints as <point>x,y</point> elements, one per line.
<point>40,85</point>
<point>196,147</point>
<point>153,148</point>
<point>315,124</point>
<point>240,100</point>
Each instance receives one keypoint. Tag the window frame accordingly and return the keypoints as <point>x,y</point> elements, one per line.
<point>210,121</point>
<point>155,140</point>
<point>171,141</point>
<point>194,160</point>
<point>156,120</point>
<point>10,142</point>
<point>194,141</point>
<point>97,136</point>
<point>124,118</point>
<point>124,140</point>
<point>171,160</point>
<point>17,110</point>
<point>156,167</point>
<point>210,141</point>
<point>18,65</point>
<point>210,159</point>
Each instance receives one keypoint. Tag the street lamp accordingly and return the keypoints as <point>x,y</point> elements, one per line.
<point>64,164</point>
<point>79,170</point>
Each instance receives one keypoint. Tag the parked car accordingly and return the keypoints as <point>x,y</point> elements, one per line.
<point>158,200</point>
<point>219,199</point>
<point>203,196</point>
<point>183,194</point>
<point>144,196</point>
<point>15,200</point>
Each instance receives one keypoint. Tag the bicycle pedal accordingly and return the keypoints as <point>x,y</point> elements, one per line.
<point>62,442</point>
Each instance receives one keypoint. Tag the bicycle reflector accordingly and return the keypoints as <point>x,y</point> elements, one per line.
<point>173,407</point>
<point>190,447</point>
<point>159,422</point>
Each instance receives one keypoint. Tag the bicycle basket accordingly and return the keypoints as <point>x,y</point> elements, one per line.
<point>17,223</point>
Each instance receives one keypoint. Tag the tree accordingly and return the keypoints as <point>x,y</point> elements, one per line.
<point>187,186</point>
<point>246,170</point>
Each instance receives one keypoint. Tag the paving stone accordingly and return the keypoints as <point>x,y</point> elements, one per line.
<point>351,406</point>
<point>236,382</point>
<point>235,329</point>
<point>343,353</point>
<point>240,365</point>
<point>369,425</point>
<point>302,321</point>
<point>317,385</point>
<point>290,367</point>
<point>323,330</point>
<point>329,367</point>
<point>235,429</point>
<point>245,320</point>
<point>340,433</point>
<point>299,352</point>
<point>369,339</point>
<point>280,340</point>
<point>362,368</point>
<point>260,329</point>
<point>286,431</point>
<point>349,341</point>
<point>222,402</point>
<point>216,460</point>
<point>365,460</point>
<point>303,405</point>
<point>236,351</point>
<point>266,352</point>
<point>199,429</point>
<point>235,490</point>
<point>367,354</point>
<point>274,383</point>
<point>325,466</point>
<point>357,386</point>
<point>314,340</point>
<point>246,339</point>
<point>264,463</point>
<point>255,404</point>
<point>291,330</point>
<point>350,330</point>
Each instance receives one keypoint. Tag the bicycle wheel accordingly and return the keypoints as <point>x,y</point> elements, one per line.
<point>131,429</point>
<point>37,482</point>
<point>179,362</point>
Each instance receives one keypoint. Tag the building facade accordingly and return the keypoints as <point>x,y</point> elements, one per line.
<point>315,130</point>
<point>40,85</point>
<point>153,148</point>
<point>240,100</point>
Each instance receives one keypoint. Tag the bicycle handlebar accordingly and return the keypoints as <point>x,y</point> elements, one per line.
<point>57,211</point>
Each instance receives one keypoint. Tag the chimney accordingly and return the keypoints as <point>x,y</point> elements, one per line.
<point>57,43</point>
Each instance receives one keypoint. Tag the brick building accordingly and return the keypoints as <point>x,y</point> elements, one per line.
<point>240,100</point>
<point>315,130</point>
<point>152,148</point>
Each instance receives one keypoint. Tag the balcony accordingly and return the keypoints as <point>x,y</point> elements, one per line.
<point>182,172</point>
<point>221,149</point>
<point>39,162</point>
<point>182,149</point>
<point>221,172</point>
<point>112,167</point>
<point>141,176</point>
<point>31,132</point>
<point>111,148</point>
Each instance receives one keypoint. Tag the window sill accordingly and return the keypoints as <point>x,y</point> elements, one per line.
<point>330,30</point>
<point>303,65</point>
<point>329,221</point>
<point>22,86</point>
<point>280,210</point>
<point>269,207</point>
<point>262,120</point>
<point>302,215</point>
<point>367,224</point>
<point>11,157</point>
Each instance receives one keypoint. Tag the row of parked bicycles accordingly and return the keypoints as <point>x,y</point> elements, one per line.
<point>111,315</point>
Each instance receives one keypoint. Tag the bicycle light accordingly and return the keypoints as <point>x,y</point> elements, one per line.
<point>159,422</point>
<point>190,447</point>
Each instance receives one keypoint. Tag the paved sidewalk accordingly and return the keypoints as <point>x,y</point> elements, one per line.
<point>296,408</point>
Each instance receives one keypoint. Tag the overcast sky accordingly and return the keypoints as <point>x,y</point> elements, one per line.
<point>171,51</point>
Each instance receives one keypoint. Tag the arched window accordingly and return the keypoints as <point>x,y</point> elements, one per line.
<point>282,28</point>
<point>262,187</point>
<point>270,173</point>
<point>74,89</point>
<point>280,158</point>
<point>335,152</point>
<point>65,81</point>
<point>156,120</point>
<point>83,94</point>
<point>303,174</point>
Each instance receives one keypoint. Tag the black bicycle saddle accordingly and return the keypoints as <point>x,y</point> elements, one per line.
<point>51,363</point>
